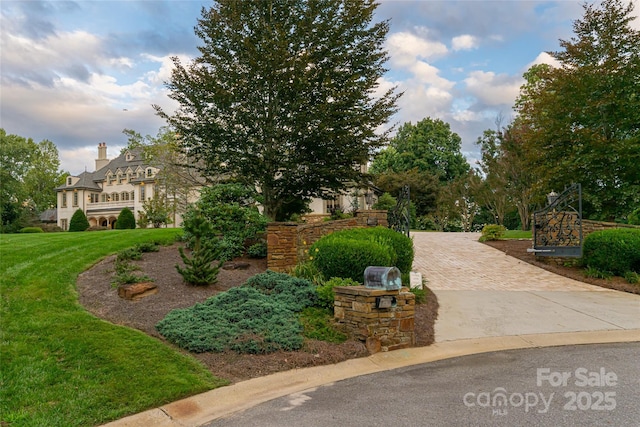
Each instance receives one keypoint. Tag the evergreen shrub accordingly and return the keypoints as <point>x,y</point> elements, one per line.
<point>257,250</point>
<point>398,248</point>
<point>199,268</point>
<point>258,317</point>
<point>492,232</point>
<point>348,258</point>
<point>616,251</point>
<point>31,230</point>
<point>78,221</point>
<point>126,220</point>
<point>326,296</point>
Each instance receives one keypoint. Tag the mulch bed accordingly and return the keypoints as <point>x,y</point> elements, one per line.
<point>518,249</point>
<point>99,297</point>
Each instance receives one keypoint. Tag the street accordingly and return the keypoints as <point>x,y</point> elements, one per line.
<point>585,385</point>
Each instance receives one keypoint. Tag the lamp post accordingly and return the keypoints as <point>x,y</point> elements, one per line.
<point>368,198</point>
<point>552,197</point>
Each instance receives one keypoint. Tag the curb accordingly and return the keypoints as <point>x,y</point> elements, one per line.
<point>221,402</point>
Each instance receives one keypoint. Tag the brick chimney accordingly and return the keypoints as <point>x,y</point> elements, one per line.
<point>102,160</point>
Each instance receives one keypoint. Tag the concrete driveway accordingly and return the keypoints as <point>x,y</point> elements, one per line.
<point>484,293</point>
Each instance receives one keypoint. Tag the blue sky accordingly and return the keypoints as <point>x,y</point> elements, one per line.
<point>79,72</point>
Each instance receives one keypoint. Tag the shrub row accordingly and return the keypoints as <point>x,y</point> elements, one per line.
<point>616,251</point>
<point>348,253</point>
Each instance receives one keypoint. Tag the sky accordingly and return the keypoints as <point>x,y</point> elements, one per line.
<point>80,72</point>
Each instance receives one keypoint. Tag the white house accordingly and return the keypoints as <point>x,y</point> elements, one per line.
<point>126,181</point>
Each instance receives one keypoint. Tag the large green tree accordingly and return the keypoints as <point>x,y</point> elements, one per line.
<point>282,95</point>
<point>29,172</point>
<point>580,121</point>
<point>429,146</point>
<point>426,156</point>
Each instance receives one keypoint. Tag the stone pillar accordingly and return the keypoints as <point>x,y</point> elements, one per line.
<point>282,245</point>
<point>365,315</point>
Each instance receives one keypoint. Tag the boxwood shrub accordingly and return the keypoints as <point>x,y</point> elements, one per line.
<point>348,258</point>
<point>348,253</point>
<point>616,251</point>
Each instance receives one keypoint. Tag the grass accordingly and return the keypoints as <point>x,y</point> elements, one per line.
<point>60,365</point>
<point>517,234</point>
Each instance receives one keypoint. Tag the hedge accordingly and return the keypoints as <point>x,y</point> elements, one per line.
<point>348,253</point>
<point>616,251</point>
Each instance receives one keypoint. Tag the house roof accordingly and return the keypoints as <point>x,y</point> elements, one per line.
<point>50,215</point>
<point>130,159</point>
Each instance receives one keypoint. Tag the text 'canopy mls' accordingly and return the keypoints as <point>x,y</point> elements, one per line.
<point>284,95</point>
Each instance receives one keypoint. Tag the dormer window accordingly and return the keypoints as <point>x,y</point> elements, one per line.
<point>149,173</point>
<point>69,180</point>
<point>129,157</point>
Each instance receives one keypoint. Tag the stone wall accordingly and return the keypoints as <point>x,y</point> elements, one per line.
<point>381,329</point>
<point>589,226</point>
<point>289,242</point>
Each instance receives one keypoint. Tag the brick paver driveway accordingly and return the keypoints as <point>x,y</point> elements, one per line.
<point>483,292</point>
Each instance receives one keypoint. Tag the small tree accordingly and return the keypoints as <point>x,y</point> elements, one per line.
<point>78,221</point>
<point>126,220</point>
<point>155,212</point>
<point>385,202</point>
<point>198,268</point>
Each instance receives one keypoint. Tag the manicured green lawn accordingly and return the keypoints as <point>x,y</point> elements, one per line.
<point>60,365</point>
<point>517,234</point>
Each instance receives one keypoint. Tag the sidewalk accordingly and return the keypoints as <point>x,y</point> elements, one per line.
<point>488,302</point>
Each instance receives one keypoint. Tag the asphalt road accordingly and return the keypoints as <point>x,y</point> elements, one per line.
<point>585,385</point>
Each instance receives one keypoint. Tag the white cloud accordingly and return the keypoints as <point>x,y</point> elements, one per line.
<point>428,74</point>
<point>543,58</point>
<point>405,48</point>
<point>493,89</point>
<point>464,42</point>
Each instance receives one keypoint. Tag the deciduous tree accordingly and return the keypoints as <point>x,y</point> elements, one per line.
<point>582,119</point>
<point>283,95</point>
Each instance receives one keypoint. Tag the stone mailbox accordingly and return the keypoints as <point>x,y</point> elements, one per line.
<point>382,319</point>
<point>387,278</point>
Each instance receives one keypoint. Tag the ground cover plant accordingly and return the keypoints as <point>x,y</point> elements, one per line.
<point>61,366</point>
<point>258,317</point>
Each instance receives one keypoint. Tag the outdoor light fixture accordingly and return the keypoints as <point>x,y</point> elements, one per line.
<point>552,197</point>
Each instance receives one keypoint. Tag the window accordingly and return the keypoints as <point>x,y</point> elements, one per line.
<point>64,200</point>
<point>75,198</point>
<point>115,197</point>
<point>133,195</point>
<point>103,198</point>
<point>125,196</point>
<point>332,205</point>
<point>149,173</point>
<point>63,224</point>
<point>69,180</point>
<point>142,197</point>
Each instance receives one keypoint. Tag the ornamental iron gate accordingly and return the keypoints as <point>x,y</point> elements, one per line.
<point>400,216</point>
<point>557,229</point>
